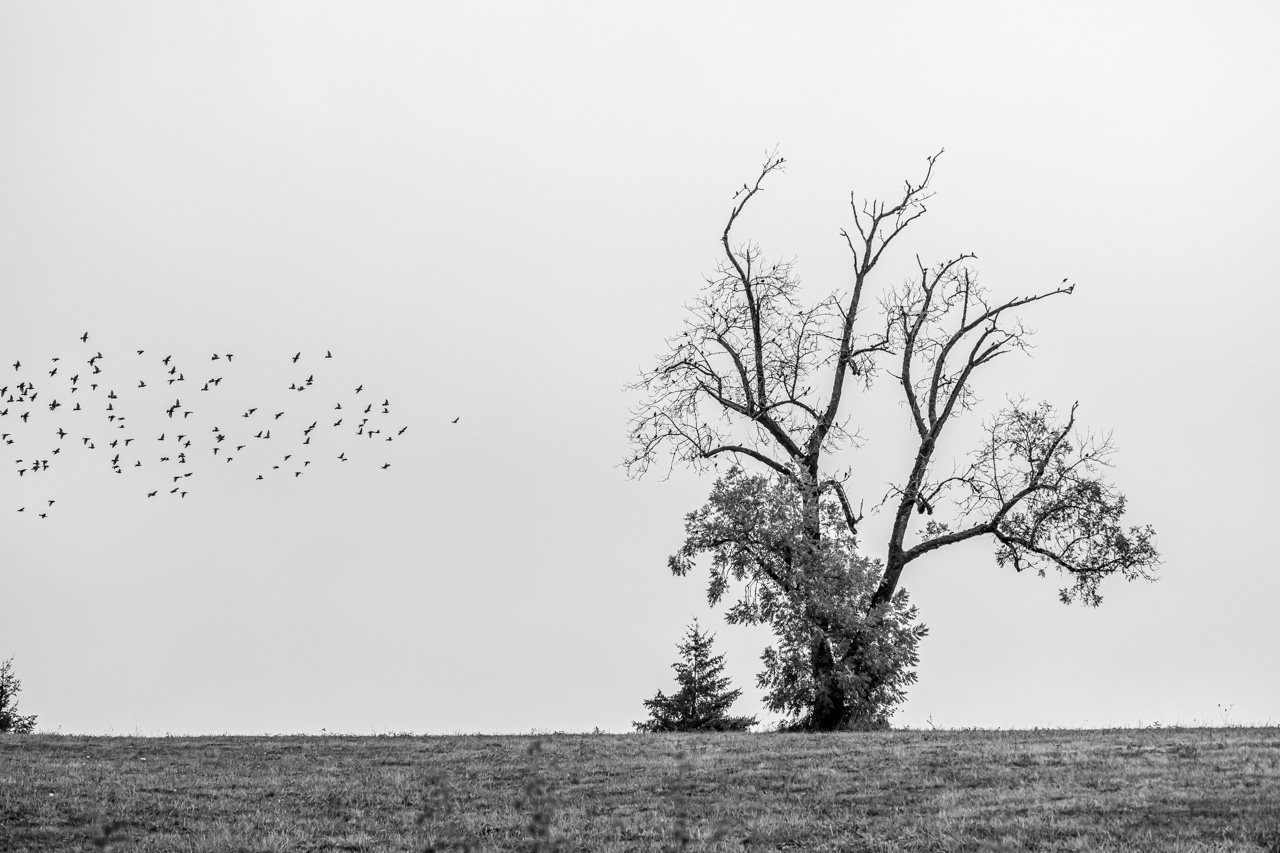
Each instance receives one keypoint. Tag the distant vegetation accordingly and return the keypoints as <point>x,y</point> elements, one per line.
<point>11,722</point>
<point>1163,789</point>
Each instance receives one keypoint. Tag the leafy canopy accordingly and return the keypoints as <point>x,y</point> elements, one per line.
<point>818,604</point>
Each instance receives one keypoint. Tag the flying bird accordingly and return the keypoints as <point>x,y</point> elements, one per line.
<point>455,420</point>
<point>26,393</point>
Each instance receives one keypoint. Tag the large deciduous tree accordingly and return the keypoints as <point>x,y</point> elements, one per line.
<point>762,379</point>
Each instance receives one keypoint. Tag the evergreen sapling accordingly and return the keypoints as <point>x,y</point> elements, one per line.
<point>703,700</point>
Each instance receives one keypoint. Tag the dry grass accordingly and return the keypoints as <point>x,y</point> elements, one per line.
<point>1121,790</point>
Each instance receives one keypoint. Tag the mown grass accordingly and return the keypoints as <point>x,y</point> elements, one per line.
<point>1122,790</point>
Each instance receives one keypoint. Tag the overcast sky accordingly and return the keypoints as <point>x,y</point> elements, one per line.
<point>496,213</point>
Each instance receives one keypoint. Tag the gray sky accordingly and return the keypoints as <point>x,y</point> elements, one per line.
<point>495,212</point>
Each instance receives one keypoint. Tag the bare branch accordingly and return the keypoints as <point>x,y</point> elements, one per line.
<point>754,454</point>
<point>850,519</point>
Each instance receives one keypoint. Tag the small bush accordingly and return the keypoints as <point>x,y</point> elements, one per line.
<point>10,720</point>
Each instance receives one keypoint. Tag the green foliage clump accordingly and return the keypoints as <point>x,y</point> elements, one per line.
<point>703,701</point>
<point>10,720</point>
<point>839,662</point>
<point>856,669</point>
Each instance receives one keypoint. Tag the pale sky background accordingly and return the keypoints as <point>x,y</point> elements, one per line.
<point>496,212</point>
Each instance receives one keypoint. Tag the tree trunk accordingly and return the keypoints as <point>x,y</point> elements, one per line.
<point>889,581</point>
<point>829,705</point>
<point>829,708</point>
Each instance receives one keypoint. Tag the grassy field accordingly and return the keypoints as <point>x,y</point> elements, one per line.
<point>1149,789</point>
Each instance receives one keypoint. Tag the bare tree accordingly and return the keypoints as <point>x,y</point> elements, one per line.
<point>760,378</point>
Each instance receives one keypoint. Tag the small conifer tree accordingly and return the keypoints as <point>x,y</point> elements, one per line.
<point>10,719</point>
<point>703,700</point>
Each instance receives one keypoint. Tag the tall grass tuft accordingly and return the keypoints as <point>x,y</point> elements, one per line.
<point>539,801</point>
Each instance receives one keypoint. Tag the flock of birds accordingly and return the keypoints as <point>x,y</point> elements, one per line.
<point>81,405</point>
